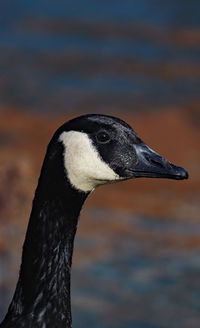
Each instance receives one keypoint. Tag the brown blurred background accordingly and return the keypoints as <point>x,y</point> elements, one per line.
<point>137,252</point>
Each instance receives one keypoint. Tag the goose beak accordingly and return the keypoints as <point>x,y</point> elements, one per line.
<point>152,165</point>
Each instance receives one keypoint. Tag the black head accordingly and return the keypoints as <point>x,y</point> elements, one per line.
<point>101,149</point>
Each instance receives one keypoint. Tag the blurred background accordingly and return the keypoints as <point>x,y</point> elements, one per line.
<point>137,251</point>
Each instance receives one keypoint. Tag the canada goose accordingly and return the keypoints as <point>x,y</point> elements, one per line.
<point>84,153</point>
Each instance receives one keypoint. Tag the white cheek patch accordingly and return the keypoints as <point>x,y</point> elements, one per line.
<point>85,169</point>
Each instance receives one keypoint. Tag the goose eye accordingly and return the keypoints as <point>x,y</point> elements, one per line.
<point>103,137</point>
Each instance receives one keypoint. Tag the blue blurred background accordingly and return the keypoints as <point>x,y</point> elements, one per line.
<point>137,253</point>
<point>93,56</point>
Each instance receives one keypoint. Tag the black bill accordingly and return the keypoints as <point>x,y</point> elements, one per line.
<point>152,165</point>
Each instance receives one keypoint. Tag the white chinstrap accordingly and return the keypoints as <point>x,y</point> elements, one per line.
<point>85,169</point>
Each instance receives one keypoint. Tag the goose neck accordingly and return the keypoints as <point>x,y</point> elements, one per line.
<point>42,294</point>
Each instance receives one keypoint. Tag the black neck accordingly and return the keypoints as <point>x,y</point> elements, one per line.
<point>42,296</point>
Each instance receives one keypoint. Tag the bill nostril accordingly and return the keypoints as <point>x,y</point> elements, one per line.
<point>156,163</point>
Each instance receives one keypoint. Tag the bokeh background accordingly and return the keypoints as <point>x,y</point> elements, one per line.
<point>137,251</point>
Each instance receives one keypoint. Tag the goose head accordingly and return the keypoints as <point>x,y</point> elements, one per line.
<point>100,149</point>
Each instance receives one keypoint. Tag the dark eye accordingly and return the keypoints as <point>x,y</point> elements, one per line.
<point>103,137</point>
